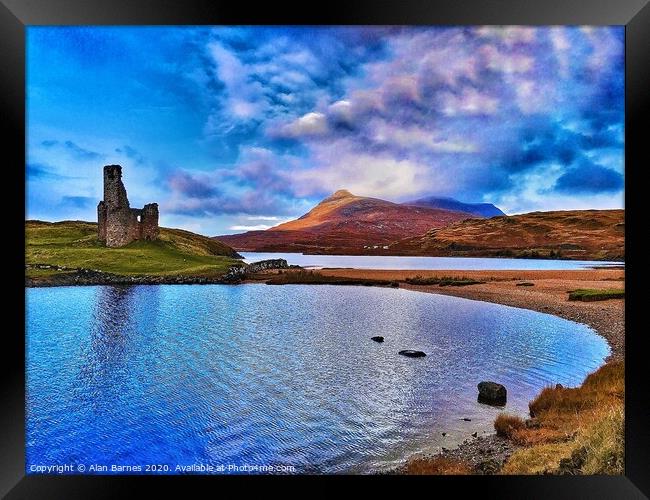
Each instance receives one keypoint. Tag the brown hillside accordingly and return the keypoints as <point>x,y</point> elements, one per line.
<point>345,223</point>
<point>574,234</point>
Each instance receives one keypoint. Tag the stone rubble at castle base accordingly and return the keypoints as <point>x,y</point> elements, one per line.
<point>70,276</point>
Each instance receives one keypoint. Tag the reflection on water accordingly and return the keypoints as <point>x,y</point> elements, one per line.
<point>262,375</point>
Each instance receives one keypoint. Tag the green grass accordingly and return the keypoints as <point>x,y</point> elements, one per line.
<point>443,281</point>
<point>74,244</point>
<point>591,294</point>
<point>46,273</point>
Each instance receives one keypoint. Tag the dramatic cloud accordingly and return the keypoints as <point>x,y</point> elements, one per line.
<point>263,183</point>
<point>311,124</point>
<point>588,177</point>
<point>464,111</point>
<point>220,124</point>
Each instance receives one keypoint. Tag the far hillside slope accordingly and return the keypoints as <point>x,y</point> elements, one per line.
<point>573,234</point>
<point>477,209</point>
<point>345,224</point>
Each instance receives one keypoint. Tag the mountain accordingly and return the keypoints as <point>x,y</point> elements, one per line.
<point>573,234</point>
<point>345,224</point>
<point>479,209</point>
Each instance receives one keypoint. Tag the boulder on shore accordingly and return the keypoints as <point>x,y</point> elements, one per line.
<point>412,354</point>
<point>492,393</point>
<point>378,338</point>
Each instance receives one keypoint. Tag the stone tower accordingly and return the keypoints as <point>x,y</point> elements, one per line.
<point>118,223</point>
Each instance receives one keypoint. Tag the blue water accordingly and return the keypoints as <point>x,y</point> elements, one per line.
<point>259,375</point>
<point>422,263</point>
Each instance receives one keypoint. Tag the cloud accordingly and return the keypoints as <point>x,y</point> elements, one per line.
<point>37,171</point>
<point>588,177</point>
<point>265,217</point>
<point>78,201</point>
<point>259,186</point>
<point>409,137</point>
<point>226,204</point>
<point>266,120</point>
<point>368,175</point>
<point>73,149</point>
<point>311,124</point>
<point>191,186</point>
<point>131,153</point>
<point>536,188</point>
<point>258,227</point>
<point>469,102</point>
<point>245,96</point>
<point>470,107</point>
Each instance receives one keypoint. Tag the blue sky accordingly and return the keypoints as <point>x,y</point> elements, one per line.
<point>236,128</point>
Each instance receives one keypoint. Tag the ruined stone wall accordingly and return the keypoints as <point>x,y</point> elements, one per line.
<point>118,223</point>
<point>149,222</point>
<point>121,227</point>
<point>101,220</point>
<point>114,190</point>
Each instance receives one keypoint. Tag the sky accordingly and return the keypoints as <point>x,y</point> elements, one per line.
<point>236,128</point>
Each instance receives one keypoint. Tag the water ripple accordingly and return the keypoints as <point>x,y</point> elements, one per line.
<point>262,375</point>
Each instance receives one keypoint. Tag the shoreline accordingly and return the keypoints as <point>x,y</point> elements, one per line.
<point>544,291</point>
<point>548,294</point>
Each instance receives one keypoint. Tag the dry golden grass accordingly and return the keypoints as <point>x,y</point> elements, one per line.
<point>515,429</point>
<point>576,234</point>
<point>560,405</point>
<point>581,427</point>
<point>604,443</point>
<point>506,425</point>
<point>537,459</point>
<point>437,466</point>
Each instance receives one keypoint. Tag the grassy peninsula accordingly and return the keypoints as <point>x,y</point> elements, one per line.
<point>69,246</point>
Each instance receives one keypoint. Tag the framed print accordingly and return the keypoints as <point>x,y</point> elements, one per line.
<point>379,242</point>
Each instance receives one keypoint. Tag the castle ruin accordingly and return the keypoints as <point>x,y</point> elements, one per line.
<point>118,223</point>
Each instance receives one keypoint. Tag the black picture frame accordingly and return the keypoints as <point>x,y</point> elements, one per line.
<point>15,15</point>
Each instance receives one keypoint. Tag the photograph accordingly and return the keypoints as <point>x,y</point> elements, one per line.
<point>325,249</point>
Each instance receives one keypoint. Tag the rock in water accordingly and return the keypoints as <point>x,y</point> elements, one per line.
<point>377,338</point>
<point>492,393</point>
<point>412,354</point>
